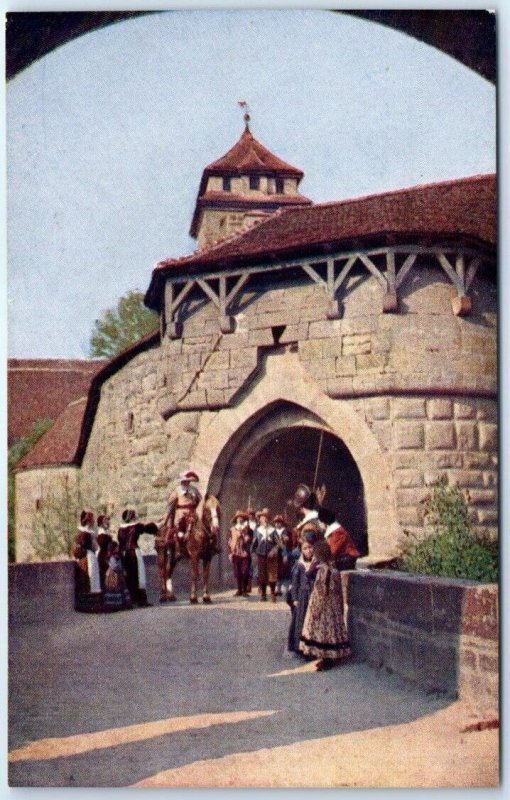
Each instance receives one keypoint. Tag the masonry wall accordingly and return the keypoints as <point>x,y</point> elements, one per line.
<point>421,381</point>
<point>43,495</point>
<point>439,633</point>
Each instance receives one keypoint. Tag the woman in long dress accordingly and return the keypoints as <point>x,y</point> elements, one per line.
<point>324,635</point>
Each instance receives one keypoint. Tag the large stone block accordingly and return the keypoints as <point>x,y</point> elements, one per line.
<point>378,408</point>
<point>440,409</point>
<point>465,478</point>
<point>354,345</point>
<point>464,410</point>
<point>409,435</point>
<point>480,616</point>
<point>467,435</point>
<point>488,433</point>
<point>371,362</point>
<point>409,478</point>
<point>345,365</point>
<point>409,408</point>
<point>218,360</point>
<point>439,436</point>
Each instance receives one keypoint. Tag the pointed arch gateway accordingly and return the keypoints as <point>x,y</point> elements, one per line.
<point>261,448</point>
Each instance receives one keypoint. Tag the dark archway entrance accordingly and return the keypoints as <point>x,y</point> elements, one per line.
<point>271,459</point>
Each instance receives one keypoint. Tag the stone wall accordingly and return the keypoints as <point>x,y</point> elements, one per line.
<point>43,495</point>
<point>412,395</point>
<point>441,634</point>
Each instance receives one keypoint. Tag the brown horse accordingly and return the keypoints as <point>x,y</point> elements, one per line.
<point>201,533</point>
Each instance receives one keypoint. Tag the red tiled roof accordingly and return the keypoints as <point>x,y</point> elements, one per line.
<point>248,155</point>
<point>66,441</point>
<point>462,207</point>
<point>59,445</point>
<point>42,388</point>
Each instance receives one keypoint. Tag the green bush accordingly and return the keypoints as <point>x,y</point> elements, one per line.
<point>451,551</point>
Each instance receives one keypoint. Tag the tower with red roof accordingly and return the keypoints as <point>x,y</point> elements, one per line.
<point>243,187</point>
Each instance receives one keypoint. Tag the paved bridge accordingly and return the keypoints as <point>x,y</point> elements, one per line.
<point>202,696</point>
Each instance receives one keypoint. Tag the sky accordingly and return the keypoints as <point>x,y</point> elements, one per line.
<point>108,135</point>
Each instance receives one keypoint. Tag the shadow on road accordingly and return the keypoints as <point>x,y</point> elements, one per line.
<point>98,673</point>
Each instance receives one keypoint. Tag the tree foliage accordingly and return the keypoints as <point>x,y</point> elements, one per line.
<point>451,551</point>
<point>16,451</point>
<point>122,326</point>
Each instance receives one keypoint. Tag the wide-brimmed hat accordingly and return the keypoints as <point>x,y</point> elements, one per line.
<point>129,515</point>
<point>301,495</point>
<point>240,515</point>
<point>264,513</point>
<point>251,512</point>
<point>279,520</point>
<point>102,520</point>
<point>189,476</point>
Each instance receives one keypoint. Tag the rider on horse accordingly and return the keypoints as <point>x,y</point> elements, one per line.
<point>181,511</point>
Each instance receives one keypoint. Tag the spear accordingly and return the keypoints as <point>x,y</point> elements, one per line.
<point>314,485</point>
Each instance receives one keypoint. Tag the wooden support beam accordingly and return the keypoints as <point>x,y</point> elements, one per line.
<point>209,291</point>
<point>471,271</point>
<point>179,299</point>
<point>344,272</point>
<point>369,264</point>
<point>237,288</point>
<point>314,275</point>
<point>459,285</point>
<point>390,271</point>
<point>404,269</point>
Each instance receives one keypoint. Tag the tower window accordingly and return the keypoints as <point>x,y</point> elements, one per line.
<point>227,183</point>
<point>254,182</point>
<point>279,185</point>
<point>130,422</point>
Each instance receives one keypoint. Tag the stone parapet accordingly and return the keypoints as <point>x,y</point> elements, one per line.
<point>441,634</point>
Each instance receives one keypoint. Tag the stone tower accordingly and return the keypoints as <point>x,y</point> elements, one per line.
<point>241,188</point>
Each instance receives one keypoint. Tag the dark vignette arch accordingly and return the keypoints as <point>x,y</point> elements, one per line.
<point>468,36</point>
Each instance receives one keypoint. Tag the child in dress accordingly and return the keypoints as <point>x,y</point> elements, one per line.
<point>299,594</point>
<point>324,635</point>
<point>287,557</point>
<point>116,594</point>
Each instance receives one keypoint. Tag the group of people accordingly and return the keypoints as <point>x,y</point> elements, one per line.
<point>110,573</point>
<point>262,551</point>
<point>306,564</point>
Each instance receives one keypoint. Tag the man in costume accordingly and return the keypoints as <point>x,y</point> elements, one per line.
<point>132,558</point>
<point>266,545</point>
<point>182,504</point>
<point>239,546</point>
<point>318,523</point>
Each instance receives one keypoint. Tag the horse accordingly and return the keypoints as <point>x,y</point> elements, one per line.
<point>197,531</point>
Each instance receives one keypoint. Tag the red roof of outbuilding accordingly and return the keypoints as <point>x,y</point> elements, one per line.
<point>463,207</point>
<point>59,445</point>
<point>66,441</point>
<point>40,388</point>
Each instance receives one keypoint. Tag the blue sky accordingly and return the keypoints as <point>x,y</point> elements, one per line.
<point>108,136</point>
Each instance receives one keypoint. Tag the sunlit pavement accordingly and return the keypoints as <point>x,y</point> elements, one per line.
<point>180,695</point>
